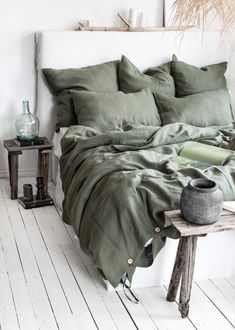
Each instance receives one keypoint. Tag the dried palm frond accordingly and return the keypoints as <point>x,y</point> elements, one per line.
<point>187,13</point>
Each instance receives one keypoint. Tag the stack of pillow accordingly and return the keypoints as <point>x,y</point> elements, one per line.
<point>202,97</point>
<point>114,94</point>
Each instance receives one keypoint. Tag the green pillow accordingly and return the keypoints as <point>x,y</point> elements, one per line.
<point>205,109</point>
<point>158,79</point>
<point>112,111</point>
<point>98,78</point>
<point>192,80</point>
<point>66,115</point>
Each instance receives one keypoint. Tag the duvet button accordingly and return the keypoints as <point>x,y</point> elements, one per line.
<point>130,261</point>
<point>157,230</point>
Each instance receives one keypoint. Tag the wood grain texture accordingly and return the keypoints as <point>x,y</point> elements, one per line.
<point>187,274</point>
<point>43,167</point>
<point>45,284</point>
<point>185,258</point>
<point>226,222</point>
<point>132,29</point>
<point>177,271</point>
<point>43,162</point>
<point>13,172</point>
<point>11,146</point>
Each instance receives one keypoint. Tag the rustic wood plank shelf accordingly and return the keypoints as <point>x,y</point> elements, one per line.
<point>133,29</point>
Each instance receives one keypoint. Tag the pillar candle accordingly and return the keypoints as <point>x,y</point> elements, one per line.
<point>142,20</point>
<point>132,17</point>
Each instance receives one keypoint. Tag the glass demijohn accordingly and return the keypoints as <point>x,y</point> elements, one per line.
<point>26,124</point>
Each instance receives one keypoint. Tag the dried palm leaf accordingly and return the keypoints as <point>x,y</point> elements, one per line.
<point>187,13</point>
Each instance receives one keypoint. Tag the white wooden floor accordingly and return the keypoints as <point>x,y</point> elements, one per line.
<point>46,282</point>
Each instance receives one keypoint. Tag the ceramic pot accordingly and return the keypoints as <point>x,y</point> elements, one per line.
<point>201,202</point>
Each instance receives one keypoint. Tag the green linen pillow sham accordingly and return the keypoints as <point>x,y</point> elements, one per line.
<point>205,109</point>
<point>190,79</point>
<point>158,78</point>
<point>98,78</point>
<point>112,111</point>
<point>65,112</point>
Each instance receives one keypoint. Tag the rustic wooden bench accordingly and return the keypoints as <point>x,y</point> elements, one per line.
<point>185,257</point>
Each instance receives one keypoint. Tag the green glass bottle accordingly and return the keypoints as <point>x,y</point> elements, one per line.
<point>26,124</point>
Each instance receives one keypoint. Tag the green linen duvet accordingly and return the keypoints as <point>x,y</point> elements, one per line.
<point>118,184</point>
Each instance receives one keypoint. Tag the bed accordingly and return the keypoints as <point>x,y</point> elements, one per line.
<point>78,49</point>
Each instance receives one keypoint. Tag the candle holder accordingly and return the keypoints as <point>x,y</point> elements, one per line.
<point>29,201</point>
<point>40,188</point>
<point>28,192</point>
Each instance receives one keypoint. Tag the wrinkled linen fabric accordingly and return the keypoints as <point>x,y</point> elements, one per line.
<point>118,184</point>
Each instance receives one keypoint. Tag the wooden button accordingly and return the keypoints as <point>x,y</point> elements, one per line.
<point>157,230</point>
<point>130,261</point>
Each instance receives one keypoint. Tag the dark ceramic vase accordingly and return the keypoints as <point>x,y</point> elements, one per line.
<point>201,202</point>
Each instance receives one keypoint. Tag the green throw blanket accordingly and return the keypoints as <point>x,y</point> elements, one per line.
<point>118,184</point>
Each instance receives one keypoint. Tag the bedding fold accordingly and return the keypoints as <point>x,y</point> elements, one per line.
<point>118,184</point>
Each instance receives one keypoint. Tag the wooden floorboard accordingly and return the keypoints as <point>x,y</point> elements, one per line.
<point>204,313</point>
<point>165,315</point>
<point>23,302</point>
<point>58,301</point>
<point>92,297</point>
<point>8,316</point>
<point>41,304</point>
<point>113,303</point>
<point>222,295</point>
<point>47,282</point>
<point>71,290</point>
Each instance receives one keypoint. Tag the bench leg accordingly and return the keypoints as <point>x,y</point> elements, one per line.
<point>13,173</point>
<point>43,167</point>
<point>177,270</point>
<point>187,275</point>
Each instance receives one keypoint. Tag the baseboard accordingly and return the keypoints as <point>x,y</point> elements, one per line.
<point>23,172</point>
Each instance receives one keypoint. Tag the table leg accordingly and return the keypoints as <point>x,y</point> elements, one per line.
<point>187,275</point>
<point>13,173</point>
<point>177,270</point>
<point>43,167</point>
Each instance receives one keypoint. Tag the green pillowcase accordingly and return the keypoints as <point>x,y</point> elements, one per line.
<point>66,115</point>
<point>158,79</point>
<point>192,80</point>
<point>112,111</point>
<point>97,78</point>
<point>205,109</point>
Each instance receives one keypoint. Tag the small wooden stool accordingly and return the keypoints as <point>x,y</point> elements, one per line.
<point>185,256</point>
<point>43,162</point>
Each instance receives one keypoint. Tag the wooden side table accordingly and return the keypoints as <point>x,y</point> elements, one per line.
<point>43,162</point>
<point>185,257</point>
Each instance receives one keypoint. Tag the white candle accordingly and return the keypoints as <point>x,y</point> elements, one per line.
<point>142,20</point>
<point>90,22</point>
<point>132,17</point>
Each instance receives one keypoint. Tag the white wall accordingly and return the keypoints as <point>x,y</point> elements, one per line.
<point>18,22</point>
<point>19,19</point>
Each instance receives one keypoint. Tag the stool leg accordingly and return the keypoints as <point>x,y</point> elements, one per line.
<point>13,173</point>
<point>43,167</point>
<point>9,167</point>
<point>177,271</point>
<point>187,275</point>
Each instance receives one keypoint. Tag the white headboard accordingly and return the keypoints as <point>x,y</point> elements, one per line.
<point>64,49</point>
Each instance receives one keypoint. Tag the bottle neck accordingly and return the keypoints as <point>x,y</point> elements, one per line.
<point>26,107</point>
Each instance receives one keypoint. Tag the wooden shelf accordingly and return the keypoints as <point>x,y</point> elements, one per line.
<point>135,29</point>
